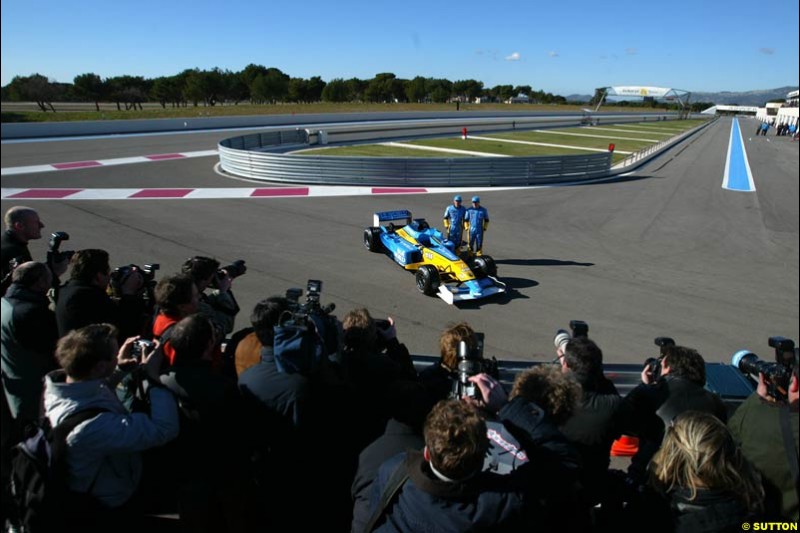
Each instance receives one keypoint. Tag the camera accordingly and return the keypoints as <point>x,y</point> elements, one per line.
<point>141,347</point>
<point>312,304</point>
<point>471,363</point>
<point>233,271</point>
<point>310,319</point>
<point>653,364</point>
<point>777,375</point>
<point>53,253</point>
<point>579,329</point>
<point>120,274</point>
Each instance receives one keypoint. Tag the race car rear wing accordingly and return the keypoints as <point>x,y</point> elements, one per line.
<point>386,217</point>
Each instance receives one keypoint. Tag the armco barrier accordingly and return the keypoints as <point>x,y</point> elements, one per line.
<point>644,155</point>
<point>28,130</point>
<point>254,156</point>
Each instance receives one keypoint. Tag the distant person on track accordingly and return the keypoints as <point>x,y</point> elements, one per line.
<point>764,128</point>
<point>477,220</point>
<point>454,221</point>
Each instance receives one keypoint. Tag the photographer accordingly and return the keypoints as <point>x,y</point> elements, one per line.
<point>84,300</point>
<point>650,407</point>
<point>210,462</point>
<point>218,303</point>
<point>29,336</point>
<point>104,453</point>
<point>592,429</point>
<point>372,359</point>
<point>512,471</point>
<point>176,297</point>
<point>767,430</point>
<point>438,378</point>
<point>22,226</point>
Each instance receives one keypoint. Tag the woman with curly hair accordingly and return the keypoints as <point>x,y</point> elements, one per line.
<point>710,485</point>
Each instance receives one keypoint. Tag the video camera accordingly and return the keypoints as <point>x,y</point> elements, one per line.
<point>233,271</point>
<point>653,364</point>
<point>307,333</point>
<point>580,329</point>
<point>312,306</point>
<point>471,363</point>
<point>777,375</point>
<point>53,253</point>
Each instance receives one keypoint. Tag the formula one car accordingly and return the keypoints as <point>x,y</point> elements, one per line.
<point>415,246</point>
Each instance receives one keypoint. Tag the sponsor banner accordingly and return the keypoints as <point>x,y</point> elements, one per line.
<point>652,92</point>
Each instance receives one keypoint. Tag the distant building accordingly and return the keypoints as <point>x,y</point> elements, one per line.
<point>780,113</point>
<point>731,110</point>
<point>482,100</point>
<point>519,99</point>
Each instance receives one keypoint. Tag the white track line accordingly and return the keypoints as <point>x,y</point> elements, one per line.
<point>621,130</point>
<point>597,136</point>
<point>13,171</point>
<point>447,150</point>
<point>546,144</point>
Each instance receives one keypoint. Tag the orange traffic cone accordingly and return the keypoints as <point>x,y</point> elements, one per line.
<point>625,446</point>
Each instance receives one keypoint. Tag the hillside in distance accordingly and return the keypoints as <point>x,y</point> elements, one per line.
<point>757,97</point>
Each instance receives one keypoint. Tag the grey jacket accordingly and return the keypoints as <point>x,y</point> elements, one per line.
<point>103,452</point>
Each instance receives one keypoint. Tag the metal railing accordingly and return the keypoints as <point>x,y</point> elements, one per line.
<point>645,153</point>
<point>256,156</point>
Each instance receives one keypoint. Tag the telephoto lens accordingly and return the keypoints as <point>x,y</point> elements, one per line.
<point>561,339</point>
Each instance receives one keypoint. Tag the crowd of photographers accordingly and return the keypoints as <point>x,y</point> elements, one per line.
<point>303,419</point>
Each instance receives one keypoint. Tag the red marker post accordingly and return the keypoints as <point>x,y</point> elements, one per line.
<point>464,133</point>
<point>611,147</point>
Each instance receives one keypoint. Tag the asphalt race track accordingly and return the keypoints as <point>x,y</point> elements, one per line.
<point>663,252</point>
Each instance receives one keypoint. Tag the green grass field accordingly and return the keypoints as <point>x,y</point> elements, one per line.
<point>585,142</point>
<point>521,150</point>
<point>374,150</point>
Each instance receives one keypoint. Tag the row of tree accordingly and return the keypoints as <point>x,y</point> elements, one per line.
<point>255,84</point>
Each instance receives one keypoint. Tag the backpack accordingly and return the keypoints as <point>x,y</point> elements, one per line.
<point>38,485</point>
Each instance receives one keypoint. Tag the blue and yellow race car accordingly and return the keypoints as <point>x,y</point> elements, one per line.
<point>416,246</point>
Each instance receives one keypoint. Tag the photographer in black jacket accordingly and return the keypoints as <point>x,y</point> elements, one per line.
<point>218,302</point>
<point>83,300</point>
<point>649,408</point>
<point>592,429</point>
<point>22,226</point>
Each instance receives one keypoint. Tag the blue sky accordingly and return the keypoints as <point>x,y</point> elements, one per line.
<point>561,47</point>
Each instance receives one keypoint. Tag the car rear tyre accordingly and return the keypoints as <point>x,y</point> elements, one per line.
<point>372,240</point>
<point>484,266</point>
<point>428,281</point>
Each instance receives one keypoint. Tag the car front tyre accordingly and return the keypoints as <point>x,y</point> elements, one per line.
<point>427,279</point>
<point>372,240</point>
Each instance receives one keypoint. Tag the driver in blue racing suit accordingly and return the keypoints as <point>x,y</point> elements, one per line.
<point>454,221</point>
<point>477,220</point>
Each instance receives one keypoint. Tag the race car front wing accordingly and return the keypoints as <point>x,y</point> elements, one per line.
<point>471,290</point>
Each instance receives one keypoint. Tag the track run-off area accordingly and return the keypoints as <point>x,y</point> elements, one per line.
<point>680,247</point>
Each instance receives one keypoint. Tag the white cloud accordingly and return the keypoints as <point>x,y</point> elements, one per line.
<point>514,57</point>
<point>552,53</point>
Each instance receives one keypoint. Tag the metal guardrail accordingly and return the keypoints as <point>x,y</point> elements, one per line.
<point>723,379</point>
<point>254,156</point>
<point>644,154</point>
